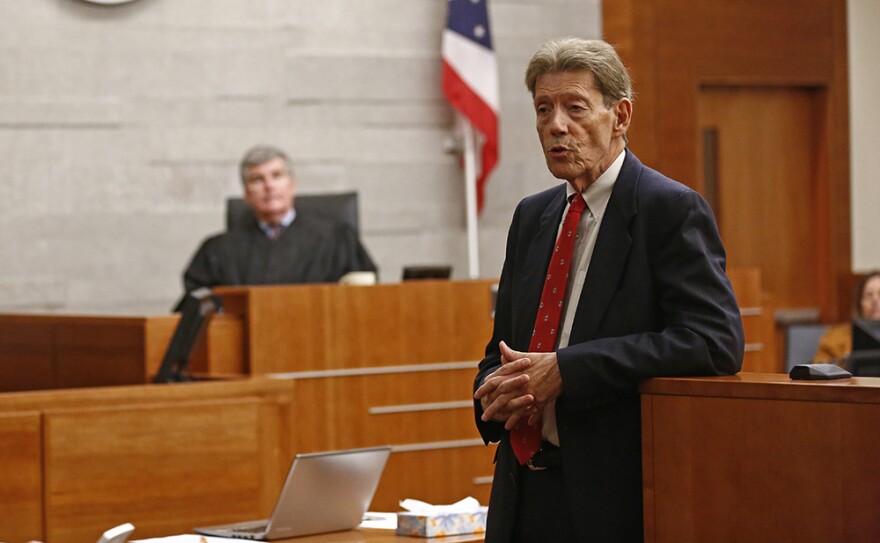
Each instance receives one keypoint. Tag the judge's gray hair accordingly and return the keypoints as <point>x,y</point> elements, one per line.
<point>577,54</point>
<point>262,154</point>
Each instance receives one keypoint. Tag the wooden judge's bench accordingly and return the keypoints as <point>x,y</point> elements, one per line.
<point>85,444</point>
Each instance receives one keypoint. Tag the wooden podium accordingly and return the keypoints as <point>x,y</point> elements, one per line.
<point>758,457</point>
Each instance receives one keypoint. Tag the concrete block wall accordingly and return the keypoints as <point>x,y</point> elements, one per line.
<point>121,129</point>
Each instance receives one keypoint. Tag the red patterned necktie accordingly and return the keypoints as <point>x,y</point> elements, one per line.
<point>525,438</point>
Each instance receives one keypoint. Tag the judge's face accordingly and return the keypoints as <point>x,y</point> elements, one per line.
<point>870,301</point>
<point>269,190</point>
<point>580,135</point>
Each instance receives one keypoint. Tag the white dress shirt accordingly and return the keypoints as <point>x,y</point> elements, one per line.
<point>596,196</point>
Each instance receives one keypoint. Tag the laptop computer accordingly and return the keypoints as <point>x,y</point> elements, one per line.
<point>323,492</point>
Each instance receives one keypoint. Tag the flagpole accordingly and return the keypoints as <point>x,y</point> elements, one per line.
<point>470,191</point>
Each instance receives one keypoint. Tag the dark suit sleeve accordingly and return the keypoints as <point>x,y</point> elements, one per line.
<point>691,322</point>
<point>214,263</point>
<point>351,255</point>
<point>493,431</point>
<point>201,271</point>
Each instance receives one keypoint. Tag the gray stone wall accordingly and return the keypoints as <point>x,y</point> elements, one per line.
<point>121,128</point>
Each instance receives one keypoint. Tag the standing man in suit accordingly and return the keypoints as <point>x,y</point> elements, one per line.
<point>638,290</point>
<point>278,245</point>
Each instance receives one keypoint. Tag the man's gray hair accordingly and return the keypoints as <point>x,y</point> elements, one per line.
<point>262,154</point>
<point>576,54</point>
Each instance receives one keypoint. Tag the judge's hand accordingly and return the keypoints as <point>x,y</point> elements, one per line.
<point>521,387</point>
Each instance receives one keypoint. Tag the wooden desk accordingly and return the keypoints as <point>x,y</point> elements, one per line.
<point>758,457</point>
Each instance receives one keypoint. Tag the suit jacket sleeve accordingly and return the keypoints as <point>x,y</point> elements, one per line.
<point>493,431</point>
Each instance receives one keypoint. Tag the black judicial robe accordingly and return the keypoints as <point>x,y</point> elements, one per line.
<point>310,250</point>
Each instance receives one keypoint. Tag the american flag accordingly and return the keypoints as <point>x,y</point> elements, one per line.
<point>470,77</point>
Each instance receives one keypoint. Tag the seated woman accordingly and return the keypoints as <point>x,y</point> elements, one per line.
<point>836,344</point>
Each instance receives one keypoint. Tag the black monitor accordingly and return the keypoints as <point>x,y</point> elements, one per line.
<point>865,358</point>
<point>196,310</point>
<point>426,272</point>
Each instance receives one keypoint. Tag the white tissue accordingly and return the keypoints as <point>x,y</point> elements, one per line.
<point>467,505</point>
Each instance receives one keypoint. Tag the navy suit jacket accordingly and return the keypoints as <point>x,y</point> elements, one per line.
<point>656,303</point>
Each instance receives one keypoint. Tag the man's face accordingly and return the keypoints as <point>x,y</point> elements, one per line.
<point>870,302</point>
<point>269,190</point>
<point>580,136</point>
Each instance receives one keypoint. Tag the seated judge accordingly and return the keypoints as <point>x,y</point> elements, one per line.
<point>280,245</point>
<point>835,346</point>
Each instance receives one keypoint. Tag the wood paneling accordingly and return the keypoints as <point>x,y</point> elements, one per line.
<point>26,354</point>
<point>39,352</point>
<point>767,172</point>
<point>427,416</point>
<point>211,452</point>
<point>21,476</point>
<point>761,352</point>
<point>761,458</point>
<point>675,47</point>
<point>166,458</point>
<point>319,327</point>
<point>359,357</point>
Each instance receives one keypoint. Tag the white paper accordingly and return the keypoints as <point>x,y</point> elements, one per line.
<point>381,521</point>
<point>188,538</point>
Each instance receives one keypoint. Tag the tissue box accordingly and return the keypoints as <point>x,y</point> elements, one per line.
<point>441,524</point>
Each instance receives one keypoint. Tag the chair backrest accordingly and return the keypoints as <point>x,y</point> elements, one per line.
<point>337,207</point>
<point>801,342</point>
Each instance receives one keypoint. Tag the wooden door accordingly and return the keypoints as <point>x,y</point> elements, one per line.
<point>761,175</point>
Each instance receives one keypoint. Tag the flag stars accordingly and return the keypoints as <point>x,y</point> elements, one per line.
<point>479,32</point>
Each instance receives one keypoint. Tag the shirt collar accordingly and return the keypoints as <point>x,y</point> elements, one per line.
<point>599,192</point>
<point>285,222</point>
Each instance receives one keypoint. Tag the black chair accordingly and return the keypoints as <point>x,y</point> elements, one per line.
<point>337,207</point>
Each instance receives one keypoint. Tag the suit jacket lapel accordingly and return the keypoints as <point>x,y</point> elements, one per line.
<point>610,254</point>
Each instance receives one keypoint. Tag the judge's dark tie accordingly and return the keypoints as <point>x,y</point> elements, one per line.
<point>525,438</point>
<point>274,231</point>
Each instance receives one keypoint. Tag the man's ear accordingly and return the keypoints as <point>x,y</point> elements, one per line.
<point>623,111</point>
